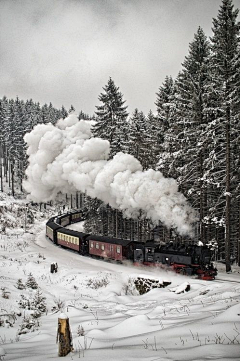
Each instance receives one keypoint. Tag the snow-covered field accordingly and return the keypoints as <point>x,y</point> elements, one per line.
<point>109,320</point>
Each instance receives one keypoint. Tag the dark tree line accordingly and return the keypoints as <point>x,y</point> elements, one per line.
<point>17,117</point>
<point>194,137</point>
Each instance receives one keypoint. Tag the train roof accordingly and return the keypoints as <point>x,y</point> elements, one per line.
<point>106,239</point>
<point>53,225</point>
<point>71,232</point>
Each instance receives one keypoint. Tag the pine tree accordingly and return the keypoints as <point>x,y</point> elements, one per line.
<point>71,110</point>
<point>184,141</point>
<point>111,118</point>
<point>39,303</point>
<point>20,284</point>
<point>31,282</point>
<point>83,116</point>
<point>190,110</point>
<point>164,103</point>
<point>63,113</point>
<point>139,138</point>
<point>225,82</point>
<point>155,139</point>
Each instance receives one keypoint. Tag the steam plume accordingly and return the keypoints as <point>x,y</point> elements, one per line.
<point>64,158</point>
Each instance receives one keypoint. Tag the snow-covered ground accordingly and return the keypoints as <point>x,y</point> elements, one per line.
<point>101,301</point>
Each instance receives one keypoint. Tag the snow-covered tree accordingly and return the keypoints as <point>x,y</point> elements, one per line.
<point>111,118</point>
<point>31,282</point>
<point>225,114</point>
<point>139,138</point>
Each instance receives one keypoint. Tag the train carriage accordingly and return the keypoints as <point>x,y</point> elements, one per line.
<point>64,220</point>
<point>110,248</point>
<point>51,228</point>
<point>71,239</point>
<point>77,216</point>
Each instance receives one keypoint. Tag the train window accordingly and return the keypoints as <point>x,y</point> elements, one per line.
<point>118,249</point>
<point>91,244</point>
<point>97,245</point>
<point>102,246</point>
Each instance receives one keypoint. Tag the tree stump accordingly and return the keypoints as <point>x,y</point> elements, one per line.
<point>64,337</point>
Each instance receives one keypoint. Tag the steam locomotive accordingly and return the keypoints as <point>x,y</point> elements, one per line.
<point>184,258</point>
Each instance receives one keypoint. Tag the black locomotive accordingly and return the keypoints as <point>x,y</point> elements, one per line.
<point>184,258</point>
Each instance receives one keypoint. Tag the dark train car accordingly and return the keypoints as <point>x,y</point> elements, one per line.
<point>110,248</point>
<point>77,216</point>
<point>51,228</point>
<point>64,220</point>
<point>168,255</point>
<point>72,239</point>
<point>183,258</point>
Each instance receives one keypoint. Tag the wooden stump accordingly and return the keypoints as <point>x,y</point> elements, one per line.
<point>64,337</point>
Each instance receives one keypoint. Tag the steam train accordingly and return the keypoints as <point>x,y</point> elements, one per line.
<point>184,258</point>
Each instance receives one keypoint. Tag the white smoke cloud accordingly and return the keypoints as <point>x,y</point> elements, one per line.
<point>64,158</point>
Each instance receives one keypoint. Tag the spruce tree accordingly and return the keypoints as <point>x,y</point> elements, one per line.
<point>139,138</point>
<point>31,282</point>
<point>225,82</point>
<point>111,118</point>
<point>164,102</point>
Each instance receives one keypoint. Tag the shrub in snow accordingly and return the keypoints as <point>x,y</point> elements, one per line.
<point>20,284</point>
<point>29,324</point>
<point>59,305</point>
<point>39,303</point>
<point>24,302</point>
<point>96,283</point>
<point>144,285</point>
<point>5,294</point>
<point>8,319</point>
<point>31,282</point>
<point>80,331</point>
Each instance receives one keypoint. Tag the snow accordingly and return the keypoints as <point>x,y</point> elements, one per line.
<point>62,316</point>
<point>65,158</point>
<point>99,296</point>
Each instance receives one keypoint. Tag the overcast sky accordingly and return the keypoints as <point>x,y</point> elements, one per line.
<point>64,51</point>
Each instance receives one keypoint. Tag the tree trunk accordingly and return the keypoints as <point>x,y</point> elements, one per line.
<point>228,195</point>
<point>64,336</point>
<point>1,175</point>
<point>12,176</point>
<point>77,200</point>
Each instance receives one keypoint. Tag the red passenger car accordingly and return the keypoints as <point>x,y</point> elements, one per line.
<point>110,248</point>
<point>70,239</point>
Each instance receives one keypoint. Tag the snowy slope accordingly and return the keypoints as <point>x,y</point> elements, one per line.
<point>118,323</point>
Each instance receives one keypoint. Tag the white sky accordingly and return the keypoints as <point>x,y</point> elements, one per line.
<point>64,51</point>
